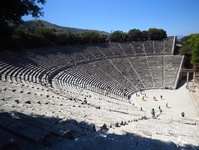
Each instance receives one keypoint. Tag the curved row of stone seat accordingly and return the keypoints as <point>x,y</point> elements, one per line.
<point>46,103</point>
<point>86,53</point>
<point>22,73</point>
<point>77,81</point>
<point>169,46</point>
<point>126,49</point>
<point>102,53</point>
<point>78,55</point>
<point>140,65</point>
<point>73,82</point>
<point>47,57</point>
<point>25,74</point>
<point>108,68</point>
<point>112,84</point>
<point>172,69</point>
<point>95,73</point>
<point>156,67</point>
<point>33,71</point>
<point>152,72</point>
<point>40,101</point>
<point>149,74</point>
<point>41,68</point>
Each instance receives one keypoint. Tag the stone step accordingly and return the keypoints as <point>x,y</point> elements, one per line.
<point>21,128</point>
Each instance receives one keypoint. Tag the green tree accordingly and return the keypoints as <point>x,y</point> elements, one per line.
<point>62,38</point>
<point>125,37</point>
<point>103,38</point>
<point>135,35</point>
<point>86,37</point>
<point>156,34</point>
<point>185,49</point>
<point>116,36</point>
<point>193,44</point>
<point>39,24</point>
<point>11,11</point>
<point>20,37</point>
<point>91,37</point>
<point>145,35</point>
<point>190,46</point>
<point>195,54</point>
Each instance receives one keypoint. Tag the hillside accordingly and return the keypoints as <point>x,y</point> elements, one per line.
<point>32,24</point>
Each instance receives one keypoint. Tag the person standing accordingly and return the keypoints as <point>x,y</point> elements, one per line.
<point>167,105</point>
<point>153,112</point>
<point>142,98</point>
<point>183,114</point>
<point>160,109</point>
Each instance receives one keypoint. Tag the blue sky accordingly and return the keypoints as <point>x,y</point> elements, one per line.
<point>177,17</point>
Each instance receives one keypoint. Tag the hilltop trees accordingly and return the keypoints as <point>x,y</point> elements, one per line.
<point>185,49</point>
<point>190,46</point>
<point>145,35</point>
<point>156,34</point>
<point>137,35</point>
<point>91,37</point>
<point>193,44</point>
<point>20,37</point>
<point>117,36</point>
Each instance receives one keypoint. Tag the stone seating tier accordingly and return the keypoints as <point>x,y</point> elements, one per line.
<point>118,73</point>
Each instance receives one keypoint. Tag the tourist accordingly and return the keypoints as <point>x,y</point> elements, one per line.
<point>142,98</point>
<point>154,98</point>
<point>153,112</point>
<point>183,114</point>
<point>160,109</point>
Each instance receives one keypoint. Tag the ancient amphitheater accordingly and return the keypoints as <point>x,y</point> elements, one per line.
<point>100,96</point>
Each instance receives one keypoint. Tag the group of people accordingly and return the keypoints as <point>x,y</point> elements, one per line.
<point>153,112</point>
<point>154,98</point>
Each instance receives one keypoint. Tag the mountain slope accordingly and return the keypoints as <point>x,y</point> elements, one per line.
<point>32,24</point>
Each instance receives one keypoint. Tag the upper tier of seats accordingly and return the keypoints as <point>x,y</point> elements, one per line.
<point>70,55</point>
<point>119,69</point>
